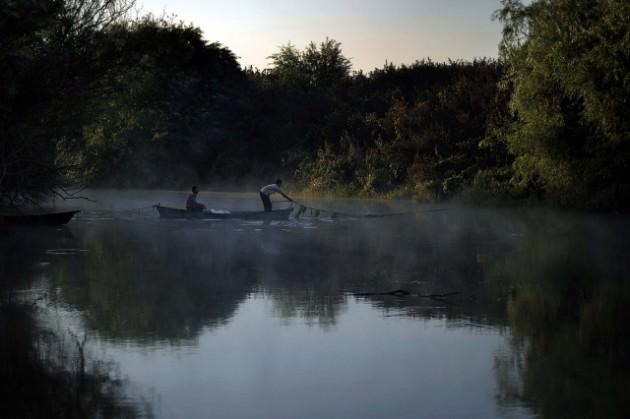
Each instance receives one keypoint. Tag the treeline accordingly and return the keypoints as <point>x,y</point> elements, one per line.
<point>93,97</point>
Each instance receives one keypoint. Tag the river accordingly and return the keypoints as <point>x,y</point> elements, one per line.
<point>506,313</point>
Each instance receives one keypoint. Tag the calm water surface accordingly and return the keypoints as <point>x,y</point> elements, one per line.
<point>233,319</point>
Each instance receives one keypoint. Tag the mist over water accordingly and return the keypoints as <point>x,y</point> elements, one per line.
<point>505,313</point>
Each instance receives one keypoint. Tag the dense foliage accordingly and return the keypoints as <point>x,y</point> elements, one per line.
<point>44,46</point>
<point>569,63</point>
<point>91,97</point>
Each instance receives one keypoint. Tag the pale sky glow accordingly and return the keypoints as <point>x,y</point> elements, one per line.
<point>371,31</point>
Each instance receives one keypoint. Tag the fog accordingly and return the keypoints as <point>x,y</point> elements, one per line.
<point>252,318</point>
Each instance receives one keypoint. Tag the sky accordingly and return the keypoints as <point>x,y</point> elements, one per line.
<point>371,31</point>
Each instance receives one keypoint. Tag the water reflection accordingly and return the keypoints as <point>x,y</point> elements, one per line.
<point>146,284</point>
<point>550,286</point>
<point>46,370</point>
<point>569,318</point>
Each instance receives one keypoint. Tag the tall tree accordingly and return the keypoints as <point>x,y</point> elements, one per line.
<point>569,64</point>
<point>40,42</point>
<point>161,100</point>
<point>322,66</point>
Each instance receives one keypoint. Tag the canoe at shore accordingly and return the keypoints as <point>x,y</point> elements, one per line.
<point>49,219</point>
<point>166,212</point>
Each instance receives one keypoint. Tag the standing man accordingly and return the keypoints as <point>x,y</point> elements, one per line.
<point>192,204</point>
<point>266,191</point>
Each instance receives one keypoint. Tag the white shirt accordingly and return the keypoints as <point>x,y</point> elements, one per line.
<point>269,189</point>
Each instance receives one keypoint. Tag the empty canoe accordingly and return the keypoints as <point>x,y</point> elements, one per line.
<point>50,219</point>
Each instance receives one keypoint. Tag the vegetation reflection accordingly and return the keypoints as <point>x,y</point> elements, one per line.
<point>46,370</point>
<point>150,286</point>
<point>569,321</point>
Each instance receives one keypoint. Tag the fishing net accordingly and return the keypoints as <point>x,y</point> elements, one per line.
<point>302,210</point>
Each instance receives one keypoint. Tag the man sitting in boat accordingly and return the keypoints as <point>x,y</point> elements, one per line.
<point>192,204</point>
<point>268,190</point>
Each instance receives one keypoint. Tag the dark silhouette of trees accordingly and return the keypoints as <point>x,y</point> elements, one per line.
<point>40,55</point>
<point>86,89</point>
<point>158,104</point>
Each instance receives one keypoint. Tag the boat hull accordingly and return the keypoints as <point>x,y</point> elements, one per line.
<point>173,213</point>
<point>54,219</point>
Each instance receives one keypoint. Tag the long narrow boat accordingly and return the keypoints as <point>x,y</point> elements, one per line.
<point>166,212</point>
<point>49,219</point>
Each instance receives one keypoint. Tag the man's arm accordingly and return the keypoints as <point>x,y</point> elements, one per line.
<point>283,194</point>
<point>199,204</point>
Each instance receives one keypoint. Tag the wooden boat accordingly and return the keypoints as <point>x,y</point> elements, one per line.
<point>166,212</point>
<point>49,219</point>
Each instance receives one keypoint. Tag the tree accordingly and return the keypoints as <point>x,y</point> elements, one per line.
<point>80,19</point>
<point>316,67</point>
<point>38,68</point>
<point>161,99</point>
<point>569,64</point>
